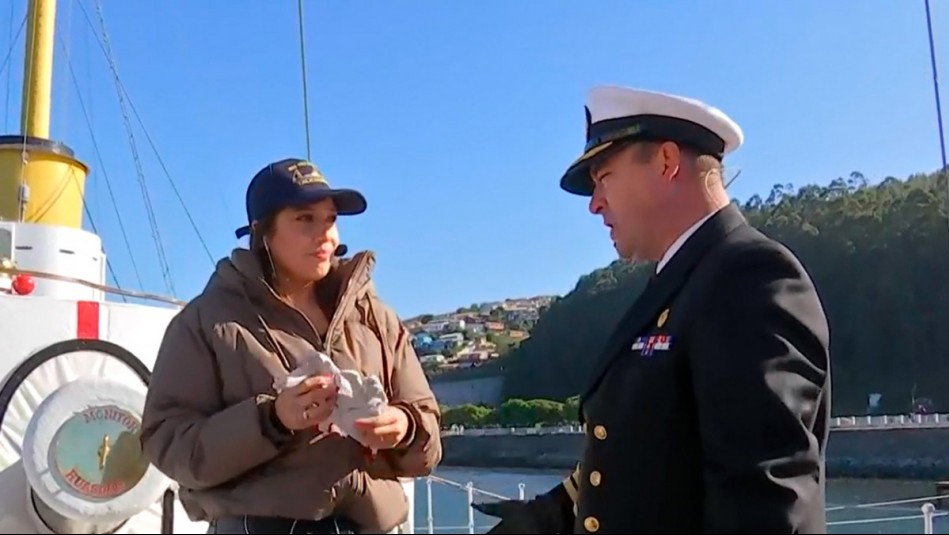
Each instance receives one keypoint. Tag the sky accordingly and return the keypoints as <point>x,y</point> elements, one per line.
<point>457,119</point>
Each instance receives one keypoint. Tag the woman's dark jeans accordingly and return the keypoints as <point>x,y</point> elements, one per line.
<point>251,525</point>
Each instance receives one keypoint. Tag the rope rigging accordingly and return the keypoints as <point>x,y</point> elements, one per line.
<point>932,58</point>
<point>126,106</point>
<point>140,175</point>
<point>108,183</point>
<point>942,140</point>
<point>125,97</point>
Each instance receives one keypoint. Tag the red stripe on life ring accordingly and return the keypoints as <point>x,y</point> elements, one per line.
<point>87,320</point>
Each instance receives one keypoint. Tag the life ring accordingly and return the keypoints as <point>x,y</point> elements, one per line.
<point>82,452</point>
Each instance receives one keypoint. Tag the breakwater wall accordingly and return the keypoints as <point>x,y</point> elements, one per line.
<point>915,453</point>
<point>477,391</point>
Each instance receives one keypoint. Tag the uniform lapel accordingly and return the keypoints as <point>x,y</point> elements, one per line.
<point>660,290</point>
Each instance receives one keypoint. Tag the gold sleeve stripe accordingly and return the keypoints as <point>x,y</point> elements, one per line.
<point>572,484</point>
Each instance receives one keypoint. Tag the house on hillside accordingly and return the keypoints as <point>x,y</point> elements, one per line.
<point>469,319</point>
<point>451,324</point>
<point>525,318</point>
<point>474,329</point>
<point>436,326</point>
<point>485,308</point>
<point>494,326</point>
<point>475,354</point>
<point>473,359</point>
<point>439,346</point>
<point>421,340</point>
<point>484,345</point>
<point>452,339</point>
<point>517,335</point>
<point>432,359</point>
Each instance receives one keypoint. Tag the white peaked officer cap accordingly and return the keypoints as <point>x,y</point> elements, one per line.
<point>617,115</point>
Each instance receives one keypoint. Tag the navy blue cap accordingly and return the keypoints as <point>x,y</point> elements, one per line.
<point>294,182</point>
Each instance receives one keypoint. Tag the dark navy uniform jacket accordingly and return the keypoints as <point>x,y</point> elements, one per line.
<point>708,411</point>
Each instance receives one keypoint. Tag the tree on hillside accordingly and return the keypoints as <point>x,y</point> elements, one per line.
<point>879,255</point>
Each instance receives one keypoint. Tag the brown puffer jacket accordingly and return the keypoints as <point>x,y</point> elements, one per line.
<point>206,421</point>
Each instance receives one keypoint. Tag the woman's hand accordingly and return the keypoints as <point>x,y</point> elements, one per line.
<point>307,404</point>
<point>385,431</point>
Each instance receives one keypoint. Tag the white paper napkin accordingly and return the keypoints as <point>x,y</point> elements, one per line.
<point>359,396</point>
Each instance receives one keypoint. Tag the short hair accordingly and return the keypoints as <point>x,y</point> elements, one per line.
<point>705,165</point>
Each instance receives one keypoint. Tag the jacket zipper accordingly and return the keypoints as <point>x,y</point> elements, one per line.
<point>321,342</point>
<point>345,297</point>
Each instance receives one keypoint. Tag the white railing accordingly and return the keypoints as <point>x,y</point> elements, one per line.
<point>887,421</point>
<point>471,491</point>
<point>927,513</point>
<point>838,423</point>
<point>496,431</point>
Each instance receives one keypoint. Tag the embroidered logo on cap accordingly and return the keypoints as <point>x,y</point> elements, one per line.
<point>306,173</point>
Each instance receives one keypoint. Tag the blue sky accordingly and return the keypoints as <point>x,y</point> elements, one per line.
<point>456,119</point>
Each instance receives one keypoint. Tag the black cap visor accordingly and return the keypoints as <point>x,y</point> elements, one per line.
<point>347,201</point>
<point>577,179</point>
<point>617,133</point>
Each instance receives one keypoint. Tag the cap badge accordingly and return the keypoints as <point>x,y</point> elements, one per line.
<point>305,173</point>
<point>662,318</point>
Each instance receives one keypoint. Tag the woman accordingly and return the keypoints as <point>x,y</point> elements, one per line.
<point>251,461</point>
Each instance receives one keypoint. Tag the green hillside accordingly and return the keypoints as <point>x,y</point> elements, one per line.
<point>879,255</point>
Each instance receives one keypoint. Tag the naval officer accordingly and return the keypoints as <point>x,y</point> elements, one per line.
<point>708,410</point>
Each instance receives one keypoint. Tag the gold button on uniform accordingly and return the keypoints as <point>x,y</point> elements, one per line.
<point>599,432</point>
<point>591,524</point>
<point>595,478</point>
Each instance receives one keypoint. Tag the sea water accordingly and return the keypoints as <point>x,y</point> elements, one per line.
<point>450,511</point>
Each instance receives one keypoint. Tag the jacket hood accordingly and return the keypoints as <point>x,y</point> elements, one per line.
<point>242,272</point>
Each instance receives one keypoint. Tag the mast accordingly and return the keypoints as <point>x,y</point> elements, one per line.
<point>38,68</point>
<point>41,181</point>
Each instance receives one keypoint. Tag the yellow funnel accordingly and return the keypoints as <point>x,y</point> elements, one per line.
<point>54,179</point>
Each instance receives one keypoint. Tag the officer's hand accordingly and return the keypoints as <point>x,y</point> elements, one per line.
<point>516,516</point>
<point>497,509</point>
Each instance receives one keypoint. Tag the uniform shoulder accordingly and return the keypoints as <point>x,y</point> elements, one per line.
<point>758,274</point>
<point>749,247</point>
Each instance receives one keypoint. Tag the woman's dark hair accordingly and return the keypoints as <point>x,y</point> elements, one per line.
<point>326,290</point>
<point>258,233</point>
